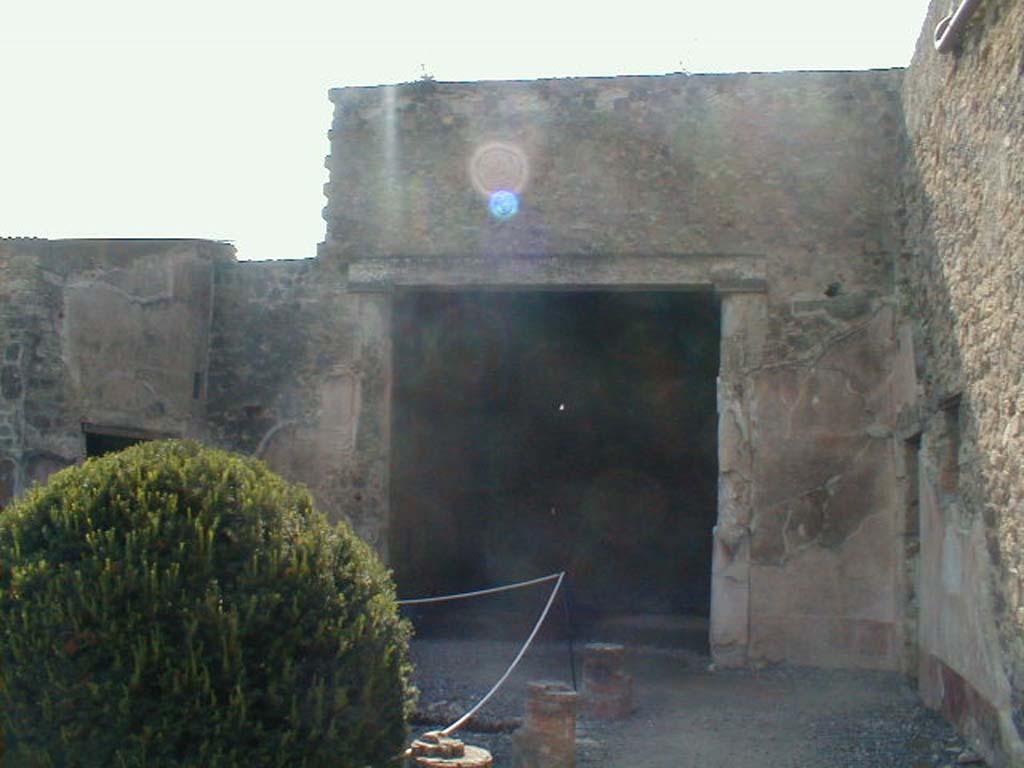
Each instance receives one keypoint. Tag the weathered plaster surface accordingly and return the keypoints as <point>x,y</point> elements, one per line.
<point>777,191</point>
<point>713,164</point>
<point>961,293</point>
<point>135,340</point>
<point>744,319</point>
<point>823,546</point>
<point>107,332</point>
<point>301,377</point>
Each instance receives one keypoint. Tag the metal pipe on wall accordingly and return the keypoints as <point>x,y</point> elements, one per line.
<point>948,31</point>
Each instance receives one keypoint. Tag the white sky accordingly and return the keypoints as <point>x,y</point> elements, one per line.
<point>209,119</point>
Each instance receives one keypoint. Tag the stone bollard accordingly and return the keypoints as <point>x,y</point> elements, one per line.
<point>433,750</point>
<point>609,693</point>
<point>548,736</point>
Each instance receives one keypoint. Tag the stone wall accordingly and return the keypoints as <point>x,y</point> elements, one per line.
<point>300,377</point>
<point>21,330</point>
<point>108,334</point>
<point>778,191</point>
<point>154,338</point>
<point>788,165</point>
<point>870,442</point>
<point>961,290</point>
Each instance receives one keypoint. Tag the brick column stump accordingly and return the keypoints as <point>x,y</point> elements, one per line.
<point>609,693</point>
<point>434,750</point>
<point>548,736</point>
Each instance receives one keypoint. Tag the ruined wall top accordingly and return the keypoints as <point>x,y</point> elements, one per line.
<point>676,164</point>
<point>69,255</point>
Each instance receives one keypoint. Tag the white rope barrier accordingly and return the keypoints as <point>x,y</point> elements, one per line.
<point>479,592</point>
<point>522,651</point>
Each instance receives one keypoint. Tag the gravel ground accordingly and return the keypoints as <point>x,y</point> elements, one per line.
<point>690,716</point>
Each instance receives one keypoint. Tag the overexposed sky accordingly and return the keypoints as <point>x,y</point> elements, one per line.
<point>209,119</point>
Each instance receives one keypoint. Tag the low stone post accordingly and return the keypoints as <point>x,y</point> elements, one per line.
<point>609,693</point>
<point>548,736</point>
<point>434,750</point>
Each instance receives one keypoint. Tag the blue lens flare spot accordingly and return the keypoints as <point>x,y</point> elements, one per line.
<point>504,204</point>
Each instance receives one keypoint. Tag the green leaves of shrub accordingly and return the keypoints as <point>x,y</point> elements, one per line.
<point>176,605</point>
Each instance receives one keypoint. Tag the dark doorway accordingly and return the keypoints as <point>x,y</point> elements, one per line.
<point>101,442</point>
<point>540,431</point>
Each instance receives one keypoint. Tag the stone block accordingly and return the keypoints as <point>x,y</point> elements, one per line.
<point>548,737</point>
<point>434,750</point>
<point>609,693</point>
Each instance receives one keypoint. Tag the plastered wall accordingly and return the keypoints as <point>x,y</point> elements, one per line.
<point>301,379</point>
<point>777,191</point>
<point>113,334</point>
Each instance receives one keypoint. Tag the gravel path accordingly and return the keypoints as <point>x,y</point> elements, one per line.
<point>692,717</point>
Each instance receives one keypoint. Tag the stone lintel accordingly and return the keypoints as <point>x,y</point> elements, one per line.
<point>722,273</point>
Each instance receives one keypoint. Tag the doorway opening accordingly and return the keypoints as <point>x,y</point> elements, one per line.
<point>101,440</point>
<point>535,432</point>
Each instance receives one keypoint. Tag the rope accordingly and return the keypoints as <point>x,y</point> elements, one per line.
<point>522,651</point>
<point>479,592</point>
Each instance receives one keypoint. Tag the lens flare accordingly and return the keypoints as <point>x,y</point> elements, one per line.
<point>504,204</point>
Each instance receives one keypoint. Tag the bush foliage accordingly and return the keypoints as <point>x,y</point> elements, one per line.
<point>176,605</point>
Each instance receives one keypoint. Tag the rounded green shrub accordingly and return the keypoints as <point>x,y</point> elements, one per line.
<point>176,605</point>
